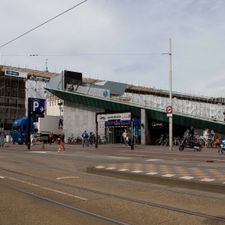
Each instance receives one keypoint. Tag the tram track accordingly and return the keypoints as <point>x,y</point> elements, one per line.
<point>61,204</point>
<point>87,189</point>
<point>105,194</point>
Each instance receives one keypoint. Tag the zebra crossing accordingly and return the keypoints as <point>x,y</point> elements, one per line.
<point>152,167</point>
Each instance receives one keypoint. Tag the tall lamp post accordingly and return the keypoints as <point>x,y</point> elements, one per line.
<point>60,114</point>
<point>60,108</point>
<point>169,109</point>
<point>170,95</point>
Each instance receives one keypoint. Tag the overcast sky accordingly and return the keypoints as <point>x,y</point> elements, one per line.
<point>122,40</point>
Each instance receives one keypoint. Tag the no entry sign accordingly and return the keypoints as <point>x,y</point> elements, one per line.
<point>169,109</point>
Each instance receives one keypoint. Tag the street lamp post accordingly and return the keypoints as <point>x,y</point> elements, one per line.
<point>60,108</point>
<point>170,97</point>
<point>60,114</point>
<point>169,109</point>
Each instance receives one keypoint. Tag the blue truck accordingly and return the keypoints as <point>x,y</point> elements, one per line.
<point>19,130</point>
<point>42,128</point>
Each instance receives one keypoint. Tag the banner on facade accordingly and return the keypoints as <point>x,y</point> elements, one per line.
<point>114,116</point>
<point>13,73</point>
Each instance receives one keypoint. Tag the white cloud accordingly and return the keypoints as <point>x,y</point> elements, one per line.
<point>122,40</point>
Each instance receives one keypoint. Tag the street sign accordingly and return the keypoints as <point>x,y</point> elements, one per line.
<point>13,73</point>
<point>36,108</point>
<point>169,109</point>
<point>37,105</point>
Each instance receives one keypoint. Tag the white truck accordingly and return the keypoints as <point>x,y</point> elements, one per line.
<point>47,125</point>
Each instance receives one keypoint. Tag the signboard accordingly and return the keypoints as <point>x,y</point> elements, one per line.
<point>13,73</point>
<point>117,123</point>
<point>37,106</point>
<point>114,116</point>
<point>169,110</point>
<point>157,124</point>
<point>106,93</point>
<point>71,78</point>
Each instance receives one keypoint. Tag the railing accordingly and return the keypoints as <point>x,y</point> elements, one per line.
<point>203,110</point>
<point>196,109</point>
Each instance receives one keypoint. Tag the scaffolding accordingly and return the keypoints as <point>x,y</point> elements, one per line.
<point>12,100</point>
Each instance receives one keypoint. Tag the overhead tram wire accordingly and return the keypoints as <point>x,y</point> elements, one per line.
<point>86,54</point>
<point>40,25</point>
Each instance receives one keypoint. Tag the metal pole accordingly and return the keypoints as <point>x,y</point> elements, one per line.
<point>29,123</point>
<point>63,80</point>
<point>170,96</point>
<point>96,130</point>
<point>132,135</point>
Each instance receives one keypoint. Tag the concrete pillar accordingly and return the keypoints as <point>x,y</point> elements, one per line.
<point>144,127</point>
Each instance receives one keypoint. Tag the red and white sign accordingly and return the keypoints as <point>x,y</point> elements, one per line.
<point>169,109</point>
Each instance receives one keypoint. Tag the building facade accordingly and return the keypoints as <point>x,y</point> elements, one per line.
<point>16,86</point>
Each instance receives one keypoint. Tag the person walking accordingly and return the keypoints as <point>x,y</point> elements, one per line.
<point>50,138</point>
<point>222,146</point>
<point>85,138</point>
<point>124,137</point>
<point>92,138</point>
<point>2,139</point>
<point>58,143</point>
<point>206,137</point>
<point>62,142</point>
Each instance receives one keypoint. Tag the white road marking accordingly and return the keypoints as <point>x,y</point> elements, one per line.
<point>152,173</point>
<point>99,167</point>
<point>137,171</point>
<point>1,177</point>
<point>122,170</point>
<point>118,157</point>
<point>38,152</point>
<point>187,177</point>
<point>153,160</point>
<point>64,193</point>
<point>49,189</point>
<point>207,180</point>
<point>168,175</point>
<point>68,177</point>
<point>110,168</point>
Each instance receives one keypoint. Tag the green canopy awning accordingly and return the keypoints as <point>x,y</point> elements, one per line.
<point>155,114</point>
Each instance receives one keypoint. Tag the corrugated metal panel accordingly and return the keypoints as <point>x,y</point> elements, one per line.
<point>115,87</point>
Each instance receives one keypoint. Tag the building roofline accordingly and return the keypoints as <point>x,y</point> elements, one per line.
<point>31,72</point>
<point>130,89</point>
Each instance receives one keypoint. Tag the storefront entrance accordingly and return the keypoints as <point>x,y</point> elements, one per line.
<point>116,123</point>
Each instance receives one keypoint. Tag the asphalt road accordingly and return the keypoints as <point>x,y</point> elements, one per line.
<point>47,187</point>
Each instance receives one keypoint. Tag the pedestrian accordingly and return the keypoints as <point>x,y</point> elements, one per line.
<point>222,146</point>
<point>31,139</point>
<point>128,138</point>
<point>124,137</point>
<point>206,137</point>
<point>2,139</point>
<point>58,143</point>
<point>92,138</point>
<point>62,142</point>
<point>50,138</point>
<point>85,138</point>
